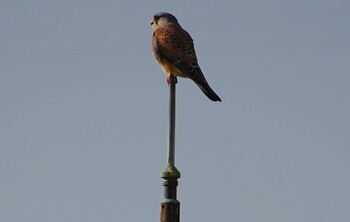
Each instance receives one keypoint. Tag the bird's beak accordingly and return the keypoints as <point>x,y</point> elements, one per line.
<point>152,22</point>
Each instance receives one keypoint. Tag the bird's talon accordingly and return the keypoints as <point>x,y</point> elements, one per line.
<point>170,79</point>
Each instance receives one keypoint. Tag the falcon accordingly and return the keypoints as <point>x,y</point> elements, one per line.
<point>174,50</point>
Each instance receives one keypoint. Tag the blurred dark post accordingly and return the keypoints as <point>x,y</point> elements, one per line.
<point>170,207</point>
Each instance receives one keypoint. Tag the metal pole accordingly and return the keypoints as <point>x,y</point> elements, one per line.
<point>170,207</point>
<point>171,129</point>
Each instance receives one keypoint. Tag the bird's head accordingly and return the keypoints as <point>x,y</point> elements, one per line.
<point>162,18</point>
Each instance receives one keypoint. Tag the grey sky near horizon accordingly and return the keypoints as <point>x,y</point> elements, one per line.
<point>83,112</point>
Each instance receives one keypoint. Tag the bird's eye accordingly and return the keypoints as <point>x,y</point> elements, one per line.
<point>156,17</point>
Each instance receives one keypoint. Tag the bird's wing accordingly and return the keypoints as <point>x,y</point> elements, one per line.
<point>175,45</point>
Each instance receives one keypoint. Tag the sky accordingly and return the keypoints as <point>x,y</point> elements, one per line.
<point>84,105</point>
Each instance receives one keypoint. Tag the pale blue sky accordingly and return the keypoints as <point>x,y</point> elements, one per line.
<point>83,112</point>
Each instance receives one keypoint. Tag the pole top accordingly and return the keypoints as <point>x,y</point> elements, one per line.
<point>170,173</point>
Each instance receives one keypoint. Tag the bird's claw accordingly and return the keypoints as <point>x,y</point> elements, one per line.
<point>171,79</point>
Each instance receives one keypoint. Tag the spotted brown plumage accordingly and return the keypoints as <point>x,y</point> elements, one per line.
<point>174,50</point>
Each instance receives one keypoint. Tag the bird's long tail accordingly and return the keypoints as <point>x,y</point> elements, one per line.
<point>209,92</point>
<point>202,83</point>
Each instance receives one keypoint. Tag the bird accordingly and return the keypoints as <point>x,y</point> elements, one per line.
<point>173,49</point>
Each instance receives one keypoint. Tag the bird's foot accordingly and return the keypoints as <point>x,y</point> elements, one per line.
<point>171,79</point>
